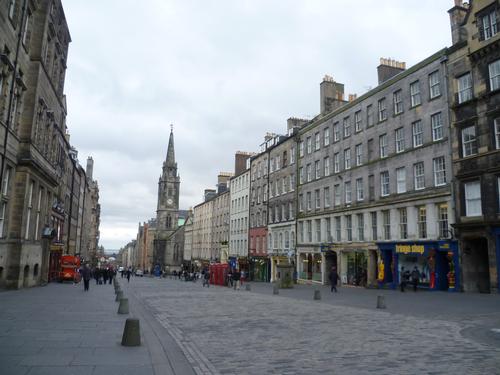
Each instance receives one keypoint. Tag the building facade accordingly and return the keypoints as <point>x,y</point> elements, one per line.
<point>474,86</point>
<point>43,185</point>
<point>374,174</point>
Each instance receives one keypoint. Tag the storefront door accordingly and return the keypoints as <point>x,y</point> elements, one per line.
<point>356,268</point>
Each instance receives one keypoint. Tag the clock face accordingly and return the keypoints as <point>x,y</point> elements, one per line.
<point>170,201</point>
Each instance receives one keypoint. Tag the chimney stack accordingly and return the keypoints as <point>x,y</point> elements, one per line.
<point>294,122</point>
<point>90,168</point>
<point>240,161</point>
<point>457,17</point>
<point>222,180</point>
<point>388,68</point>
<point>331,95</point>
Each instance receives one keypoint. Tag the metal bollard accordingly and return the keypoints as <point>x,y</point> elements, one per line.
<point>123,308</point>
<point>131,333</point>
<point>248,287</point>
<point>317,294</point>
<point>276,290</point>
<point>119,296</point>
<point>380,302</point>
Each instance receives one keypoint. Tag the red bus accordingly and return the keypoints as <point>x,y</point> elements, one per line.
<point>70,266</point>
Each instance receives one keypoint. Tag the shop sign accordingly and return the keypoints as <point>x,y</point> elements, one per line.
<point>407,249</point>
<point>444,246</point>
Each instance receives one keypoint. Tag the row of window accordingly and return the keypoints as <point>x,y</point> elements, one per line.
<point>465,85</point>
<point>400,145</point>
<point>384,225</point>
<point>439,174</point>
<point>470,141</point>
<point>344,130</point>
<point>282,240</point>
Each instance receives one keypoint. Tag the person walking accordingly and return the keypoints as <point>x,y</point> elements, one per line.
<point>415,278</point>
<point>405,277</point>
<point>334,279</point>
<point>86,277</point>
<point>236,279</point>
<point>206,278</point>
<point>129,272</point>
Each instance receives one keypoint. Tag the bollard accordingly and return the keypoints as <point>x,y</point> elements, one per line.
<point>276,290</point>
<point>131,333</point>
<point>248,287</point>
<point>123,308</point>
<point>119,296</point>
<point>380,302</point>
<point>317,294</point>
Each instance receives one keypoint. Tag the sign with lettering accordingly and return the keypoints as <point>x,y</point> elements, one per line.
<point>410,249</point>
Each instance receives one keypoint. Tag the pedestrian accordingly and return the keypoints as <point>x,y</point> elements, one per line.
<point>129,272</point>
<point>230,278</point>
<point>236,279</point>
<point>86,278</point>
<point>206,278</point>
<point>242,278</point>
<point>334,279</point>
<point>105,274</point>
<point>96,275</point>
<point>405,277</point>
<point>415,278</point>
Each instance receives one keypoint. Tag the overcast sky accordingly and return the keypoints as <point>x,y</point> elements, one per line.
<point>223,72</point>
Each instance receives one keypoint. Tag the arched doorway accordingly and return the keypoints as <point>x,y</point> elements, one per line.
<point>26,276</point>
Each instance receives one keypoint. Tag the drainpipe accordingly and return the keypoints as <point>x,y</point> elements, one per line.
<point>70,205</point>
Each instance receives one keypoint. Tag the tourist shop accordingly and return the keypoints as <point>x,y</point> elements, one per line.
<point>436,261</point>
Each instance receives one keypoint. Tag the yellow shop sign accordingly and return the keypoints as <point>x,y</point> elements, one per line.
<point>407,249</point>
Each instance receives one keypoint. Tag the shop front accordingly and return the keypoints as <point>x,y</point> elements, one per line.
<point>259,269</point>
<point>436,261</point>
<point>310,265</point>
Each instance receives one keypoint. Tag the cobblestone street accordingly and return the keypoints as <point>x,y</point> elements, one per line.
<point>235,332</point>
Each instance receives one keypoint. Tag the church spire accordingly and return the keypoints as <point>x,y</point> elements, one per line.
<point>171,152</point>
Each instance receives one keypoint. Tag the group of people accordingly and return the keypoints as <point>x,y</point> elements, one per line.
<point>407,277</point>
<point>101,275</point>
<point>235,278</point>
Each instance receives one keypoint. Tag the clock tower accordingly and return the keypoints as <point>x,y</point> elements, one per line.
<point>167,211</point>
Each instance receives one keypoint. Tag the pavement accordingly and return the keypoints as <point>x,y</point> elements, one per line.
<point>188,329</point>
<point>60,329</point>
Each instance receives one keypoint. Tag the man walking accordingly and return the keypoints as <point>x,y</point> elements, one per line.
<point>415,278</point>
<point>405,277</point>
<point>334,278</point>
<point>206,278</point>
<point>236,279</point>
<point>86,277</point>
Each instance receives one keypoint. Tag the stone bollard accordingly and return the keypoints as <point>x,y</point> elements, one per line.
<point>131,333</point>
<point>380,302</point>
<point>248,287</point>
<point>317,294</point>
<point>123,308</point>
<point>276,290</point>
<point>119,296</point>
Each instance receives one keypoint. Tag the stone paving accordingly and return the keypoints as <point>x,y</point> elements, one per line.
<point>60,329</point>
<point>187,329</point>
<point>223,331</point>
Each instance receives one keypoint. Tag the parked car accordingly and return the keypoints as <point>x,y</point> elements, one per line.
<point>139,273</point>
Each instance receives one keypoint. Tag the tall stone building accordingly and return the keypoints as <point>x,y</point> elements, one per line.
<point>474,86</point>
<point>43,185</point>
<point>167,213</point>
